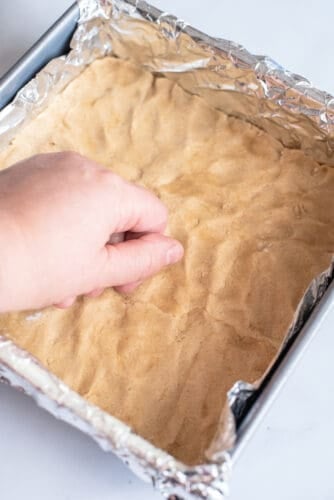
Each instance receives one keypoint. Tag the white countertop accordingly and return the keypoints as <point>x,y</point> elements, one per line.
<point>291,455</point>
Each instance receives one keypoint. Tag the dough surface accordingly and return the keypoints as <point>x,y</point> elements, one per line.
<point>256,221</point>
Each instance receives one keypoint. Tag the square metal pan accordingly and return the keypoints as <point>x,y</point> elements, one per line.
<point>54,43</point>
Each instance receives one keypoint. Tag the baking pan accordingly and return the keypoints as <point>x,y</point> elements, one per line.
<point>280,371</point>
<point>53,43</point>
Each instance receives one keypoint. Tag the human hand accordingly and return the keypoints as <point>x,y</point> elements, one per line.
<point>57,214</point>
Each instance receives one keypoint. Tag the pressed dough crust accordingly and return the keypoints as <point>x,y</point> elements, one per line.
<point>256,221</point>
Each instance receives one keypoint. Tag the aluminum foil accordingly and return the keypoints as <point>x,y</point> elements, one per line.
<point>229,78</point>
<point>224,73</point>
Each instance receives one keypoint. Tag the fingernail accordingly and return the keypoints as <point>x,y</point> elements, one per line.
<point>174,253</point>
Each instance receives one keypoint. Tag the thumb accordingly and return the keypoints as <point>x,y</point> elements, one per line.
<point>135,260</point>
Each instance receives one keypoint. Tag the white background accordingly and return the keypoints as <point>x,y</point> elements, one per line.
<point>291,456</point>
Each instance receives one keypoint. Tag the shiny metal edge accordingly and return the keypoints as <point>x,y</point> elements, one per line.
<point>280,372</point>
<point>281,369</point>
<point>54,42</point>
<point>175,480</point>
<point>172,478</point>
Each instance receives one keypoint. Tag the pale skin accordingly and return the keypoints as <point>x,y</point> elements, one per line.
<point>58,213</point>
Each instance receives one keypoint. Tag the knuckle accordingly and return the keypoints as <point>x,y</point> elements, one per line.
<point>87,169</point>
<point>109,182</point>
<point>72,157</point>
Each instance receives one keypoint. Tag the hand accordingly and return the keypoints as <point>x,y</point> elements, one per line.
<point>57,214</point>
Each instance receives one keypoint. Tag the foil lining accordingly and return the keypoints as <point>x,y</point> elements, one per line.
<point>254,88</point>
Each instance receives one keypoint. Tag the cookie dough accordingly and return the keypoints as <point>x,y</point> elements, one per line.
<point>256,221</point>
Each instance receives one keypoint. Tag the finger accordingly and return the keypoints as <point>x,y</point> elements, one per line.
<point>66,303</point>
<point>135,260</point>
<point>130,287</point>
<point>95,293</point>
<point>139,210</point>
